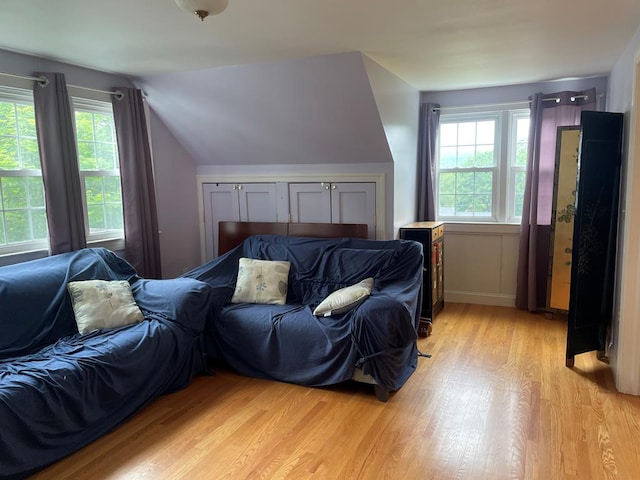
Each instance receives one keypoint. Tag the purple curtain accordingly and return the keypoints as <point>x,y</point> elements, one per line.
<point>142,242</point>
<point>547,114</point>
<point>59,160</point>
<point>428,131</point>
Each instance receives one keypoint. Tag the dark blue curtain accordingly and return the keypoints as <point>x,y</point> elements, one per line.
<point>427,137</point>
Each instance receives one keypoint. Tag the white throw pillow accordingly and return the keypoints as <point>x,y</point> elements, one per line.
<point>103,304</point>
<point>262,281</point>
<point>344,299</point>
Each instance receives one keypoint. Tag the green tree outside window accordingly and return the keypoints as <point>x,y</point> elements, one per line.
<point>22,208</point>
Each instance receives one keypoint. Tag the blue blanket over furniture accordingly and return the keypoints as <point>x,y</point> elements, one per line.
<point>60,390</point>
<point>288,343</point>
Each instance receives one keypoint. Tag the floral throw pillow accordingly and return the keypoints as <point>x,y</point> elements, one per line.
<point>103,304</point>
<point>344,299</point>
<point>262,281</point>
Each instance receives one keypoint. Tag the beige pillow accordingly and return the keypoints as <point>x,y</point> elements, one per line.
<point>262,281</point>
<point>103,304</point>
<point>344,299</point>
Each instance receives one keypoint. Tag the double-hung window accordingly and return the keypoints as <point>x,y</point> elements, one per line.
<point>481,159</point>
<point>23,222</point>
<point>519,144</point>
<point>99,169</point>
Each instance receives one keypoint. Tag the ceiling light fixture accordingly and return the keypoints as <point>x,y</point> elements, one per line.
<point>203,8</point>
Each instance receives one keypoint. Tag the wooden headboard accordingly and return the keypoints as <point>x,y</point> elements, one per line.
<point>231,234</point>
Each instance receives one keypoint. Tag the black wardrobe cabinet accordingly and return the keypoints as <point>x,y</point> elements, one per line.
<point>593,257</point>
<point>431,236</point>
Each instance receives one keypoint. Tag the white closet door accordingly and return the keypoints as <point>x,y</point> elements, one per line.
<point>258,202</point>
<point>354,203</point>
<point>310,202</point>
<point>220,205</point>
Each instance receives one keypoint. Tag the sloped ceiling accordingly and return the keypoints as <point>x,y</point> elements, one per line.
<point>316,110</point>
<point>282,81</point>
<point>430,44</point>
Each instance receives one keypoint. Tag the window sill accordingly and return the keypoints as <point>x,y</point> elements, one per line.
<point>474,228</point>
<point>114,244</point>
<point>13,258</point>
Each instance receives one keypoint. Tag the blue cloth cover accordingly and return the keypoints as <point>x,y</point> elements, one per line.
<point>288,343</point>
<point>60,390</point>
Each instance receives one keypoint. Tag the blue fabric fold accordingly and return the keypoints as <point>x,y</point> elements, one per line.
<point>60,390</point>
<point>288,343</point>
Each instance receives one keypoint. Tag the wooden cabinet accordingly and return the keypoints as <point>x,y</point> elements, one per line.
<point>337,202</point>
<point>431,236</point>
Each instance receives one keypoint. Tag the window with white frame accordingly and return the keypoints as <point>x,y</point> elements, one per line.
<point>481,166</point>
<point>23,222</point>
<point>99,169</point>
<point>519,144</point>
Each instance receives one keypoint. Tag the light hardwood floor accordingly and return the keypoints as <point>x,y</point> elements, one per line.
<point>494,402</point>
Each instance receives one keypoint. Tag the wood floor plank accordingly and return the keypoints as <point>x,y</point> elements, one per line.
<point>495,401</point>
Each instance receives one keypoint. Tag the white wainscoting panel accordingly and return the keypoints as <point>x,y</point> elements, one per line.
<point>480,263</point>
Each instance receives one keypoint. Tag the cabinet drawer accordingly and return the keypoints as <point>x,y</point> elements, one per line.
<point>437,232</point>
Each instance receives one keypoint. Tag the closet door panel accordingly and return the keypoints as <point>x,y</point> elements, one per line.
<point>310,202</point>
<point>220,204</point>
<point>258,202</point>
<point>354,203</point>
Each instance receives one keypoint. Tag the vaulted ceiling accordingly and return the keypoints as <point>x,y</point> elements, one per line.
<point>431,44</point>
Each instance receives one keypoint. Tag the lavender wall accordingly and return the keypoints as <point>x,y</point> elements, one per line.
<point>625,358</point>
<point>481,259</point>
<point>398,105</point>
<point>315,110</point>
<point>621,78</point>
<point>310,112</point>
<point>26,65</point>
<point>177,201</point>
<point>315,114</point>
<point>20,64</point>
<point>514,93</point>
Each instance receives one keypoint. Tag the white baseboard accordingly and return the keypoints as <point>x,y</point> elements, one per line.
<point>496,299</point>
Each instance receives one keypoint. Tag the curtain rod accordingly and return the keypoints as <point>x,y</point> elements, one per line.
<point>484,105</point>
<point>44,81</point>
<point>505,104</point>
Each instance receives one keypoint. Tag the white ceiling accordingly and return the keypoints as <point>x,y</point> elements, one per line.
<point>431,44</point>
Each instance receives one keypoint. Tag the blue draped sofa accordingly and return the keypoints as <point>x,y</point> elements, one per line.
<point>374,342</point>
<point>60,390</point>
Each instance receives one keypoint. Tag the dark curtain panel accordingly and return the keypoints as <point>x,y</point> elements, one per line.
<point>142,242</point>
<point>428,132</point>
<point>533,261</point>
<point>59,160</point>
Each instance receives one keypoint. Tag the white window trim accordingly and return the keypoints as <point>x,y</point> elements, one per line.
<point>113,239</point>
<point>97,237</point>
<point>24,96</point>
<point>514,115</point>
<point>475,116</point>
<point>504,177</point>
<point>19,90</point>
<point>113,244</point>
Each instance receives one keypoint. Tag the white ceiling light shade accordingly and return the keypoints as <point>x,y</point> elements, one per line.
<point>203,8</point>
